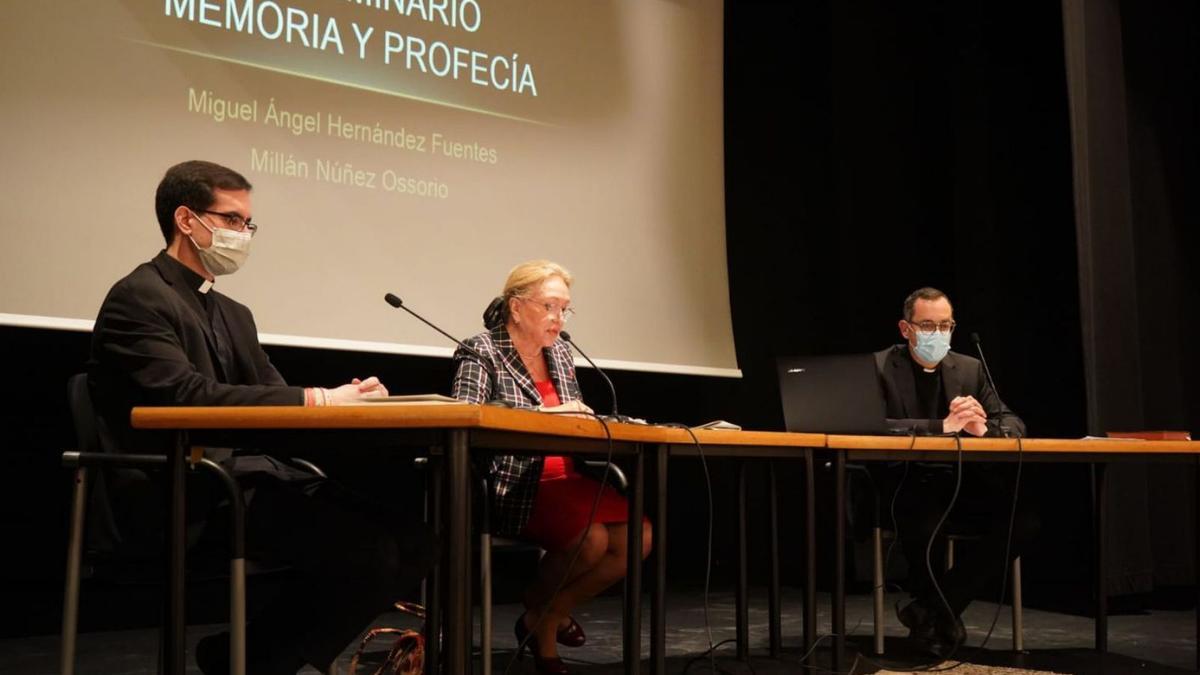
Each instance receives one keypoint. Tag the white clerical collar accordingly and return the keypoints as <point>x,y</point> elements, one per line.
<point>205,286</point>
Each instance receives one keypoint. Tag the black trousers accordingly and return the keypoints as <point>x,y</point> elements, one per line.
<point>352,558</point>
<point>983,508</point>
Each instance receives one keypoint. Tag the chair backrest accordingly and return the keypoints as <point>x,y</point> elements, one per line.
<point>103,533</point>
<point>83,415</point>
<point>595,469</point>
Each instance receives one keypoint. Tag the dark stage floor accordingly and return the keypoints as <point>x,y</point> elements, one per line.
<point>1156,642</point>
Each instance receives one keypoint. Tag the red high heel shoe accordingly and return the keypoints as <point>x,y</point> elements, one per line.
<point>571,635</point>
<point>544,665</point>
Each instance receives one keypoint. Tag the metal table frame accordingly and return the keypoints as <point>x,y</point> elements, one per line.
<point>1099,453</point>
<point>455,429</point>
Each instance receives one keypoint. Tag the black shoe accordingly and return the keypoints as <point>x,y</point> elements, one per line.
<point>212,656</point>
<point>932,632</point>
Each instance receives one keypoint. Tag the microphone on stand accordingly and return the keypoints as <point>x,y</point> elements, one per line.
<point>611,389</point>
<point>987,372</point>
<point>396,302</point>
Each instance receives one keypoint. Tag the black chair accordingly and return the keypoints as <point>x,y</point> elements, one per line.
<point>488,543</point>
<point>95,449</point>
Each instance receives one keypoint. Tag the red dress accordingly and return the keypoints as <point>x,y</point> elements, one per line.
<point>564,498</point>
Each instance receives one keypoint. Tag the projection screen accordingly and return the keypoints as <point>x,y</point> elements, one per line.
<point>415,147</point>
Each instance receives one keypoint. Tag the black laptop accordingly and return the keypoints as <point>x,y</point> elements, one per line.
<point>832,394</point>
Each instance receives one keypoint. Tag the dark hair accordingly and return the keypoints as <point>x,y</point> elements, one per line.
<point>191,184</point>
<point>496,314</point>
<point>926,293</point>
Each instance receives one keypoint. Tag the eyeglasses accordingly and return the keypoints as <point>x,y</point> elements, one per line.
<point>564,312</point>
<point>930,326</point>
<point>235,222</point>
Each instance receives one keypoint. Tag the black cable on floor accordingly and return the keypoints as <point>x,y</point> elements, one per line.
<point>709,654</point>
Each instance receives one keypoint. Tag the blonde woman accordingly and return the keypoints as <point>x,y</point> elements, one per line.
<point>544,500</point>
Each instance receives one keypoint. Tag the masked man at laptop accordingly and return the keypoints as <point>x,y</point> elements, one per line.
<point>932,390</point>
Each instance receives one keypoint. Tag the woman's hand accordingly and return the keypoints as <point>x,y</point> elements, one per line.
<point>576,405</point>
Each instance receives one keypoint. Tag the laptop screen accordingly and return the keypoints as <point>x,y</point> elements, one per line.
<point>832,394</point>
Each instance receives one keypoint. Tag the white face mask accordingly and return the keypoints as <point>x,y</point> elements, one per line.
<point>227,252</point>
<point>932,347</point>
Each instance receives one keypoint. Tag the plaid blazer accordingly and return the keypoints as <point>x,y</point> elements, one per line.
<point>504,378</point>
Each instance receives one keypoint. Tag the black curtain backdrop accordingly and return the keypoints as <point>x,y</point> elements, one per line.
<point>876,147</point>
<point>1162,66</point>
<point>871,147</point>
<point>1133,74</point>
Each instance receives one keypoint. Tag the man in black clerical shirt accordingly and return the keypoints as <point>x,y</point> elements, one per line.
<point>931,389</point>
<point>166,336</point>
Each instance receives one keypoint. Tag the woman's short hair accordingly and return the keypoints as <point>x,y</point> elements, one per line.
<point>527,275</point>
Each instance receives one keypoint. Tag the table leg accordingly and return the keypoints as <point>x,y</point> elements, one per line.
<point>774,597</point>
<point>468,569</point>
<point>839,561</point>
<point>1101,514</point>
<point>434,587</point>
<point>658,601</point>
<point>741,601</point>
<point>810,554</point>
<point>457,546</point>
<point>633,574</point>
<point>174,627</point>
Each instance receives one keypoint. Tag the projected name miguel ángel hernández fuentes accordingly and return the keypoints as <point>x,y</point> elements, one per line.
<point>274,21</point>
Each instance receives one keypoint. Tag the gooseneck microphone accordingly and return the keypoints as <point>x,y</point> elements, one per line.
<point>611,389</point>
<point>396,302</point>
<point>987,372</point>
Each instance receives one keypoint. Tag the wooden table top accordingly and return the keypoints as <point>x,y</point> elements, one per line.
<point>460,416</point>
<point>1040,446</point>
<point>495,418</point>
